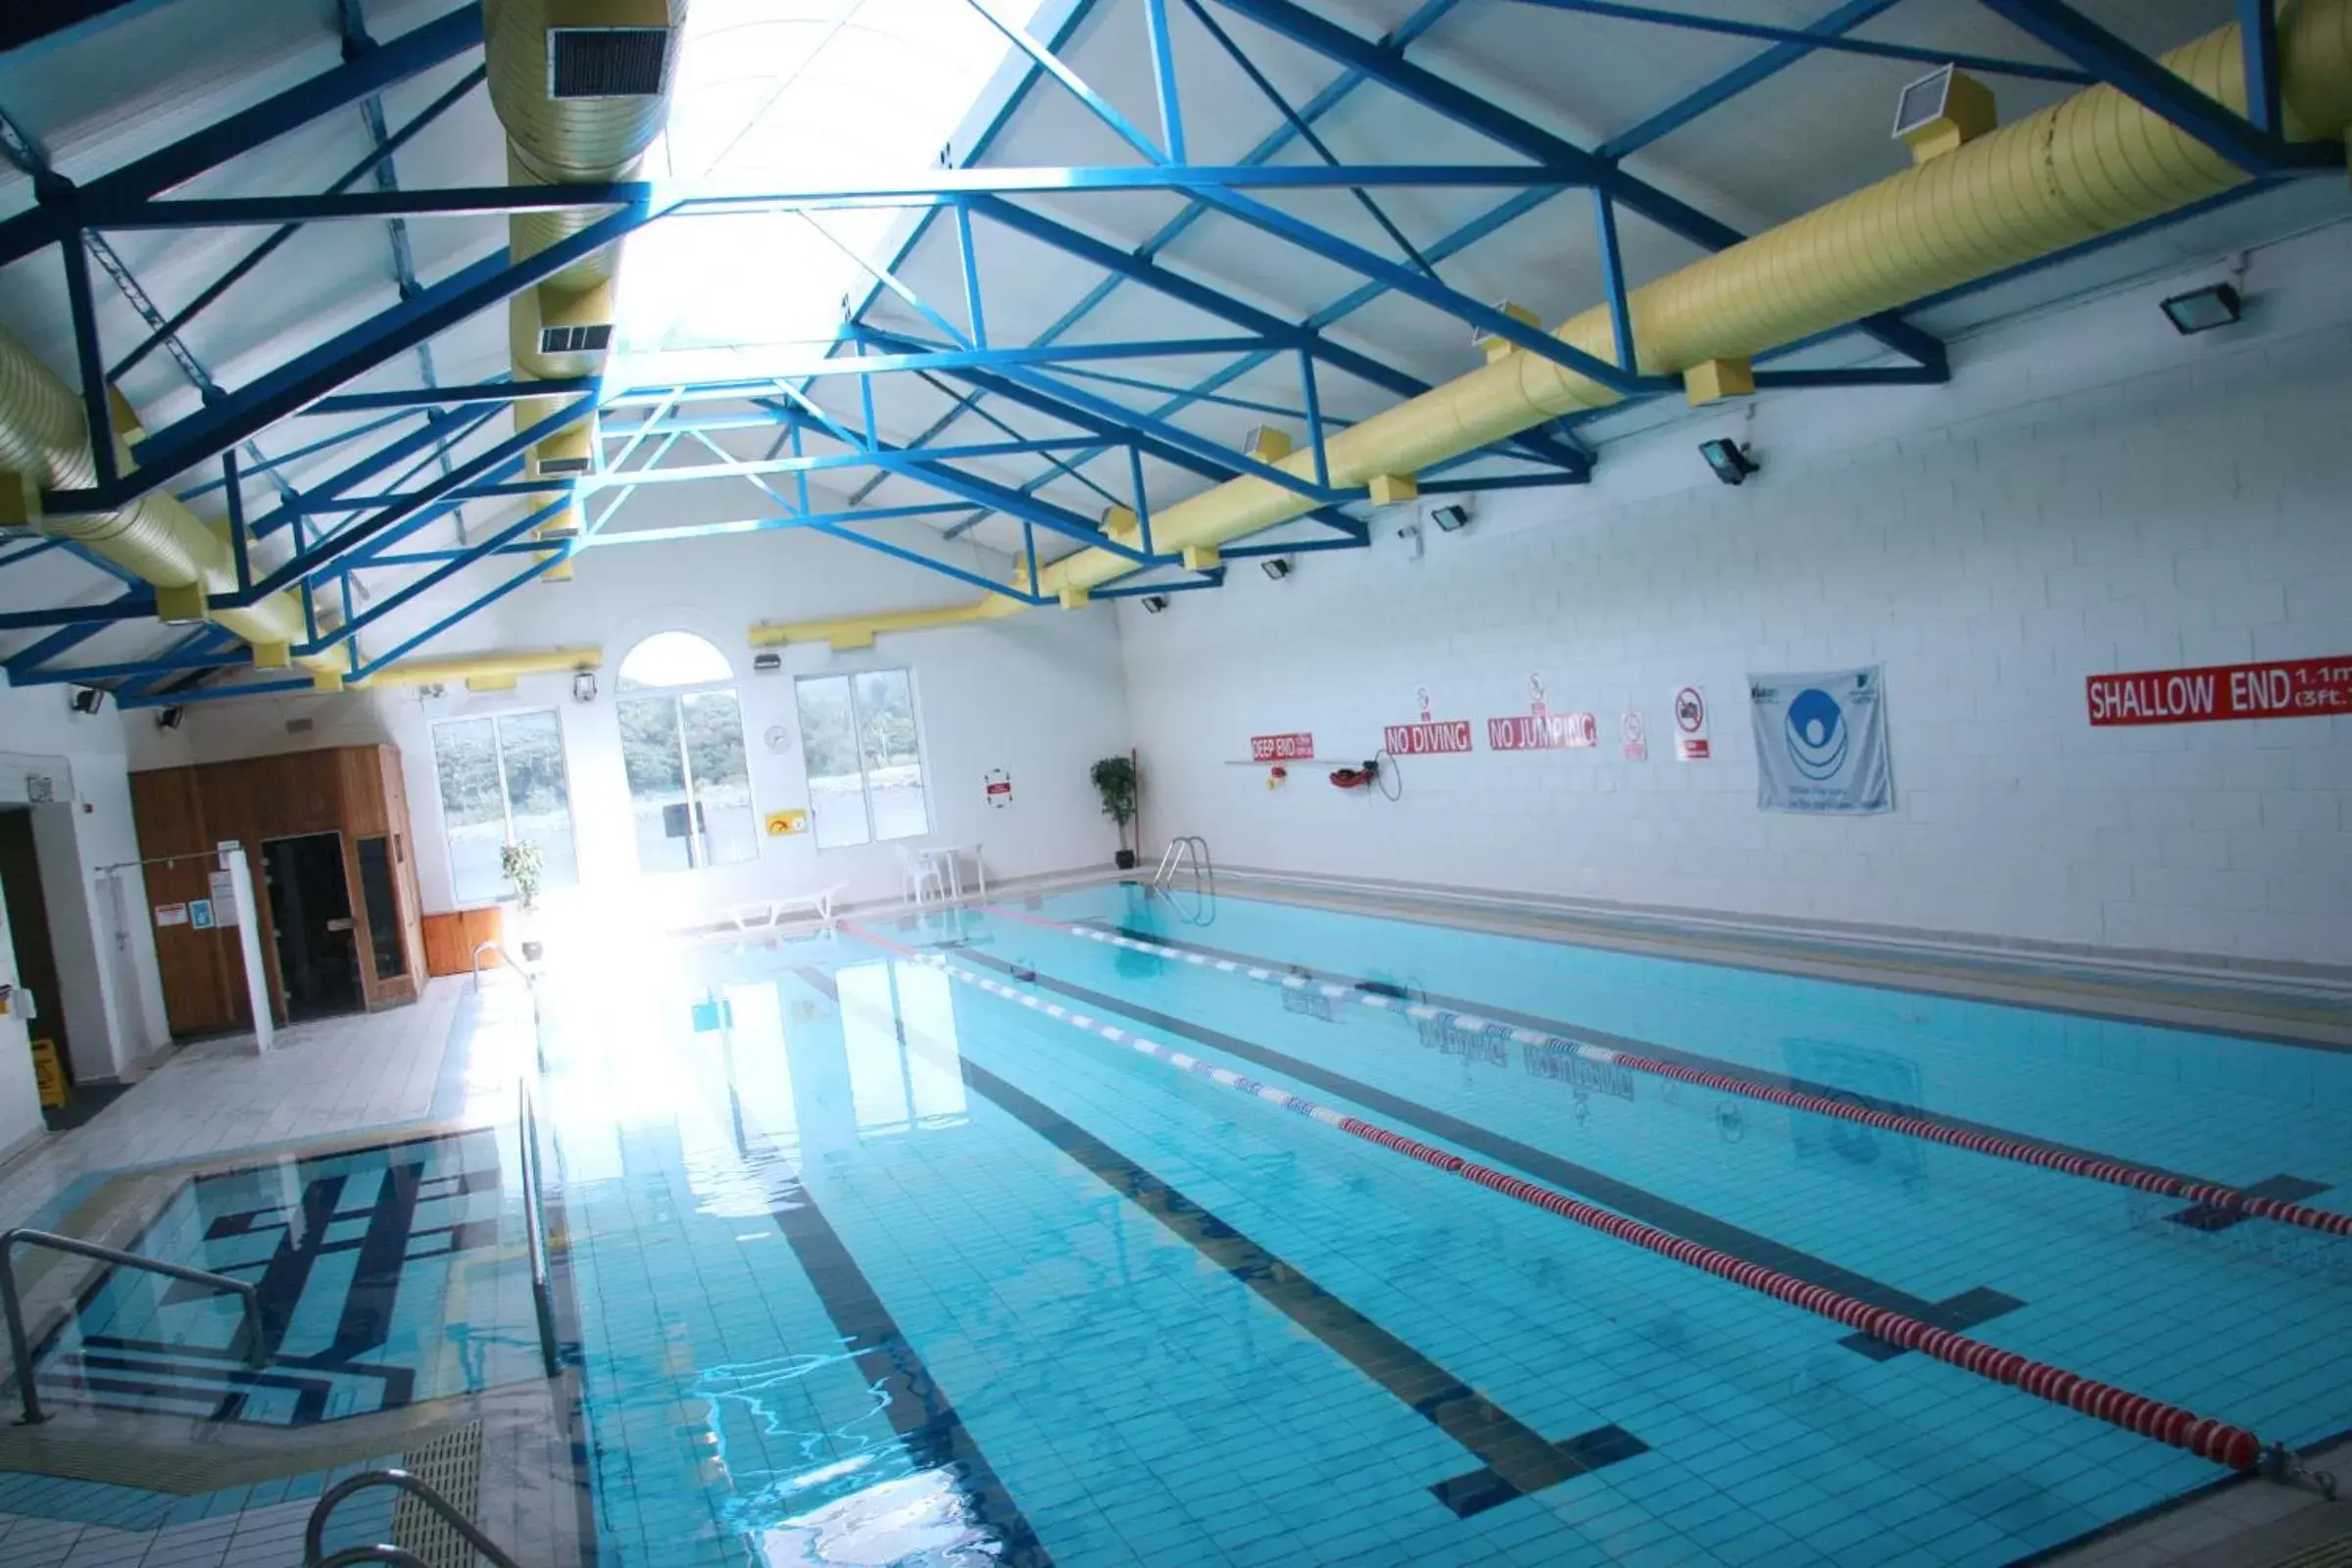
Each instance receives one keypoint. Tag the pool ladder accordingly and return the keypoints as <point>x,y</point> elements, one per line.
<point>1190,850</point>
<point>313,1535</point>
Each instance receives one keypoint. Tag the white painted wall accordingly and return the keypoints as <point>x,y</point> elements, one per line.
<point>1041,697</point>
<point>114,1006</point>
<point>2091,494</point>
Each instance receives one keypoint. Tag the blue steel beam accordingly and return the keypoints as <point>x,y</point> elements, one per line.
<point>1425,17</point>
<point>57,219</point>
<point>1809,39</point>
<point>451,396</point>
<point>917,559</point>
<point>1053,64</point>
<point>208,433</point>
<point>1732,83</point>
<point>1466,108</point>
<point>2158,90</point>
<point>261,253</point>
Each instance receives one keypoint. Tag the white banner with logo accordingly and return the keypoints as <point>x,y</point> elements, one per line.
<point>1821,743</point>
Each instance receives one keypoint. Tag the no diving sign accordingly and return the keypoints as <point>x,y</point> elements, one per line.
<point>1690,742</point>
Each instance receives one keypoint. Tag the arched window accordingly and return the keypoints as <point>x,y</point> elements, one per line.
<point>682,744</point>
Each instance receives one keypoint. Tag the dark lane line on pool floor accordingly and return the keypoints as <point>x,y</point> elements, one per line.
<point>2199,1216</point>
<point>1515,1461</point>
<point>1963,1311</point>
<point>910,1398</point>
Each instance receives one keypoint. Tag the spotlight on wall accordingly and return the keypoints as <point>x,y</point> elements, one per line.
<point>1452,517</point>
<point>85,699</point>
<point>767,664</point>
<point>429,691</point>
<point>1276,567</point>
<point>168,719</point>
<point>1153,603</point>
<point>583,686</point>
<point>1731,461</point>
<point>2201,309</point>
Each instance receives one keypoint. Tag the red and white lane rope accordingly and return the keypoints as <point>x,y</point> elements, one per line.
<point>2001,1145</point>
<point>2202,1436</point>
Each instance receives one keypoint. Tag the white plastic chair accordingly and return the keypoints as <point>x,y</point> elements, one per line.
<point>921,872</point>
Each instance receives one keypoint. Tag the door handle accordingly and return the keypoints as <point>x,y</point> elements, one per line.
<point>343,924</point>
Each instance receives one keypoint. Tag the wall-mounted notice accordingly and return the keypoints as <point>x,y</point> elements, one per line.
<point>171,914</point>
<point>1296,747</point>
<point>1821,743</point>
<point>2296,688</point>
<point>1543,732</point>
<point>1429,738</point>
<point>1635,731</point>
<point>223,898</point>
<point>1691,742</point>
<point>200,914</point>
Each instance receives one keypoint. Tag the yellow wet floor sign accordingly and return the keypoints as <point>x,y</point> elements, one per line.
<point>49,1074</point>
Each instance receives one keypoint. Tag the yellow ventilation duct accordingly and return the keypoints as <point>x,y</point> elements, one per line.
<point>2087,166</point>
<point>45,444</point>
<point>582,88</point>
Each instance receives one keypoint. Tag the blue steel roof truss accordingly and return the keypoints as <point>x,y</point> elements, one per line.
<point>1123,414</point>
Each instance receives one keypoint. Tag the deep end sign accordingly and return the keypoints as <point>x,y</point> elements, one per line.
<point>2301,688</point>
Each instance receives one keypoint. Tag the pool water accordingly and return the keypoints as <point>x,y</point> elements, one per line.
<point>873,1263</point>
<point>384,1276</point>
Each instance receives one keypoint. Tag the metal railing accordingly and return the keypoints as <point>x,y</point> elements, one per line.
<point>313,1535</point>
<point>1188,849</point>
<point>255,1347</point>
<point>534,1227</point>
<point>529,977</point>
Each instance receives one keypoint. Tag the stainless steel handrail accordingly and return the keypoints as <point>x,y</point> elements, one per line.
<point>313,1535</point>
<point>1186,847</point>
<point>534,1227</point>
<point>529,977</point>
<point>257,1350</point>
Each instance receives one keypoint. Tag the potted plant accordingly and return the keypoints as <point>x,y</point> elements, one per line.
<point>524,868</point>
<point>1114,781</point>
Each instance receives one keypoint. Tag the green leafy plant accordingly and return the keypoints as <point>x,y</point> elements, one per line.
<point>1114,781</point>
<point>522,866</point>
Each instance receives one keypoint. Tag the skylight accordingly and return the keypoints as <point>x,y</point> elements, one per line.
<point>791,93</point>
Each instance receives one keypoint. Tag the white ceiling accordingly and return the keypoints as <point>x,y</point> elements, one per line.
<point>1811,133</point>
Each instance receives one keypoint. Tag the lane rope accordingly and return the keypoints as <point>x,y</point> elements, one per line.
<point>2208,1438</point>
<point>2003,1146</point>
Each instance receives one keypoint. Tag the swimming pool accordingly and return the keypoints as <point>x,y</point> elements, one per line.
<point>1099,1229</point>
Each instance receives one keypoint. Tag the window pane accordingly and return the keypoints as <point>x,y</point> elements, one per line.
<point>722,777</point>
<point>828,741</point>
<point>473,811</point>
<point>673,659</point>
<point>894,767</point>
<point>648,756</point>
<point>538,799</point>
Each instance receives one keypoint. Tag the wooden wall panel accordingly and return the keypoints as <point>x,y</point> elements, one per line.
<point>345,790</point>
<point>450,939</point>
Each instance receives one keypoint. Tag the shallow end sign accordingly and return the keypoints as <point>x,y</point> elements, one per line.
<point>2297,688</point>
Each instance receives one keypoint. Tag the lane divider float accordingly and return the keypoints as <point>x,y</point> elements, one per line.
<point>2208,1438</point>
<point>2001,1145</point>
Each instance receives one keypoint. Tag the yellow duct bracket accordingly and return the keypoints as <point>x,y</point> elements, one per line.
<point>1200,557</point>
<point>1076,599</point>
<point>1393,489</point>
<point>20,500</point>
<point>846,642</point>
<point>1497,347</point>
<point>181,604</point>
<point>1122,525</point>
<point>1266,444</point>
<point>1713,380</point>
<point>489,683</point>
<point>273,655</point>
<point>470,668</point>
<point>1944,112</point>
<point>127,424</point>
<point>326,680</point>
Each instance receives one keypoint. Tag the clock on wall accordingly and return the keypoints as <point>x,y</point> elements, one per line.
<point>778,738</point>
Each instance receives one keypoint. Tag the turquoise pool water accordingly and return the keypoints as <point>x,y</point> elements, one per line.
<point>869,1263</point>
<point>383,1276</point>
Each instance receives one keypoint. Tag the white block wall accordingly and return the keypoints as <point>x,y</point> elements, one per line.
<point>2091,494</point>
